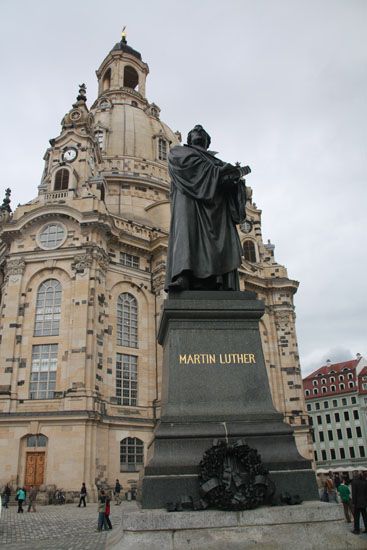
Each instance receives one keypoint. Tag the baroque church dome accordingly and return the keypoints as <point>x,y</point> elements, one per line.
<point>133,141</point>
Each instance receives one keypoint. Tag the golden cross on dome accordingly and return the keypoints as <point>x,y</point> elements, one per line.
<point>123,34</point>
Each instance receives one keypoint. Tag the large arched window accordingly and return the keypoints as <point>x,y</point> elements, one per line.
<point>249,251</point>
<point>131,454</point>
<point>127,321</point>
<point>61,179</point>
<point>48,309</point>
<point>131,77</point>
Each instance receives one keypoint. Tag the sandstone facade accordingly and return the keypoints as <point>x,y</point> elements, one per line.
<point>82,272</point>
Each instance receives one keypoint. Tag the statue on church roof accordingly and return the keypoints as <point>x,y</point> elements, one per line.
<point>208,198</point>
<point>5,207</point>
<point>82,93</point>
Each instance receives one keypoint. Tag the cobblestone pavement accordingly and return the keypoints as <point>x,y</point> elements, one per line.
<point>64,527</point>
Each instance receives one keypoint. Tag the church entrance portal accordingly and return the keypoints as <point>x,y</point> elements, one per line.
<point>34,468</point>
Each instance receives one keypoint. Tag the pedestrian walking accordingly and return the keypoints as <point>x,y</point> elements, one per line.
<point>359,499</point>
<point>102,523</point>
<point>6,495</point>
<point>108,511</point>
<point>83,494</point>
<point>20,498</point>
<point>117,492</point>
<point>32,499</point>
<point>344,493</point>
<point>330,486</point>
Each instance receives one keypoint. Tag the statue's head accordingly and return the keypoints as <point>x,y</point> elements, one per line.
<point>198,136</point>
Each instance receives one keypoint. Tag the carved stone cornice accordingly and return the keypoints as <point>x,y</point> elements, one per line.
<point>81,262</point>
<point>14,268</point>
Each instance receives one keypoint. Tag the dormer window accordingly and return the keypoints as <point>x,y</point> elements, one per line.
<point>162,149</point>
<point>99,135</point>
<point>61,179</point>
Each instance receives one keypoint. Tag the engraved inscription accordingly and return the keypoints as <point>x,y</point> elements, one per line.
<point>216,358</point>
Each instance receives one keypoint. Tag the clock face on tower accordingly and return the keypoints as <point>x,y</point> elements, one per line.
<point>70,154</point>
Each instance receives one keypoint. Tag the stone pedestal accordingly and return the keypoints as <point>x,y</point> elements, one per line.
<point>215,386</point>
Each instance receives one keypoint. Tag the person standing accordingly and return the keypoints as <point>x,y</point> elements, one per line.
<point>359,499</point>
<point>6,495</point>
<point>20,498</point>
<point>344,493</point>
<point>117,492</point>
<point>32,499</point>
<point>108,511</point>
<point>83,494</point>
<point>330,486</point>
<point>102,523</point>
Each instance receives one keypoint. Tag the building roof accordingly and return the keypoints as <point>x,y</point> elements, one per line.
<point>336,378</point>
<point>337,368</point>
<point>123,46</point>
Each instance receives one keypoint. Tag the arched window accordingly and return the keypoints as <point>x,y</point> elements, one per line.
<point>314,382</point>
<point>307,392</point>
<point>341,386</point>
<point>131,77</point>
<point>61,179</point>
<point>127,321</point>
<point>315,391</point>
<point>332,379</point>
<point>350,376</point>
<point>351,384</point>
<point>106,82</point>
<point>249,251</point>
<point>48,309</point>
<point>162,149</point>
<point>323,389</point>
<point>332,388</point>
<point>341,377</point>
<point>131,454</point>
<point>323,381</point>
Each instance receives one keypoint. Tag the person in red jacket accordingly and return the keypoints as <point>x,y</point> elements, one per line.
<point>108,511</point>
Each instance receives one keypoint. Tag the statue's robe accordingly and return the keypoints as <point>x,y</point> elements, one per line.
<point>205,209</point>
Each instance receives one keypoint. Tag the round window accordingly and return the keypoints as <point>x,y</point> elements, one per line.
<point>51,236</point>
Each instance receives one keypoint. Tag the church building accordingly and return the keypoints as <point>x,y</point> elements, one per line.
<point>82,270</point>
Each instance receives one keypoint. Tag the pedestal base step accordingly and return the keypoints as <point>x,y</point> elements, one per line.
<point>312,525</point>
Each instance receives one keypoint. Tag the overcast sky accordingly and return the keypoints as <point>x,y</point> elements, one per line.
<point>280,85</point>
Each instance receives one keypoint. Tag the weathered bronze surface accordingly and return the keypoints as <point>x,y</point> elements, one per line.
<point>208,199</point>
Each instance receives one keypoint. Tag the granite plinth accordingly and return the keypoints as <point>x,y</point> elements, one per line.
<point>311,525</point>
<point>215,386</point>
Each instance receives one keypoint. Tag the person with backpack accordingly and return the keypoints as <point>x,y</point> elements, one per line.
<point>20,497</point>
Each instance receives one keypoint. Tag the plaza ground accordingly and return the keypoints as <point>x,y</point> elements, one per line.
<point>68,527</point>
<point>57,527</point>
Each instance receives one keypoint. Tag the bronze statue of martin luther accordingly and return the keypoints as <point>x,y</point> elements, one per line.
<point>208,198</point>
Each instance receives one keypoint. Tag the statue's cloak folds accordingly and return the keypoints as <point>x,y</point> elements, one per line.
<point>204,213</point>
